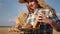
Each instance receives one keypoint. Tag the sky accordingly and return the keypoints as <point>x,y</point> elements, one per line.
<point>9,10</point>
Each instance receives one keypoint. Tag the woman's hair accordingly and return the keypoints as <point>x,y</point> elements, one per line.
<point>45,6</point>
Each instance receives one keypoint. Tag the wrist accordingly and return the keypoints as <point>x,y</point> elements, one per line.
<point>50,22</point>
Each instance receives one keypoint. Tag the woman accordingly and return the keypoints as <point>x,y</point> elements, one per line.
<point>34,5</point>
<point>41,4</point>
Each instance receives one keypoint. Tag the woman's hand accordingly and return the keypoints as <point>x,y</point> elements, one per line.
<point>43,18</point>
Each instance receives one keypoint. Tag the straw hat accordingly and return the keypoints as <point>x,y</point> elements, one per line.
<point>22,1</point>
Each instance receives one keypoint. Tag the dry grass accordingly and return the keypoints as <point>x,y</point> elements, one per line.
<point>5,30</point>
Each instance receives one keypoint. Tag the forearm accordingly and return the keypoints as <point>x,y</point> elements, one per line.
<point>56,26</point>
<point>35,24</point>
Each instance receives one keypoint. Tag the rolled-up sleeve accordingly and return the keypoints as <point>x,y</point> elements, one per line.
<point>54,17</point>
<point>56,20</point>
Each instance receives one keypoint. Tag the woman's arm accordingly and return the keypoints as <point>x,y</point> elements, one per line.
<point>55,21</point>
<point>35,24</point>
<point>56,25</point>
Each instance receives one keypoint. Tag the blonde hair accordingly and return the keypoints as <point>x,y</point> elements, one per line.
<point>45,6</point>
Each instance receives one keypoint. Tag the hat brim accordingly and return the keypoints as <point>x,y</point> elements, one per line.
<point>21,1</point>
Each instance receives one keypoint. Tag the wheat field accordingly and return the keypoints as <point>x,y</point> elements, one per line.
<point>5,30</point>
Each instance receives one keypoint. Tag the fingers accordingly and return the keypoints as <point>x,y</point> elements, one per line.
<point>41,17</point>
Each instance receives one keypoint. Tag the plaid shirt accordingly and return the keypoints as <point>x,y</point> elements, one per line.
<point>44,28</point>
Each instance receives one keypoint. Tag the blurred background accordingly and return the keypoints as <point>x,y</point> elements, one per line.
<point>10,9</point>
